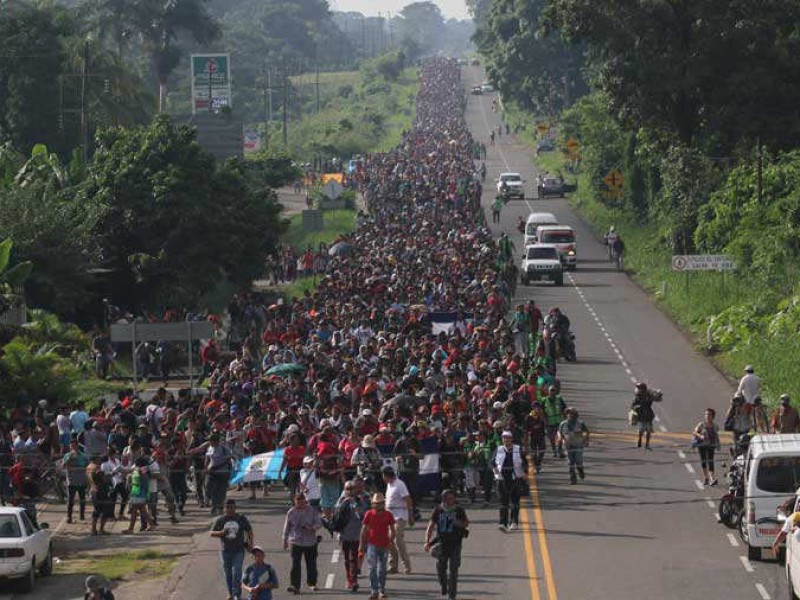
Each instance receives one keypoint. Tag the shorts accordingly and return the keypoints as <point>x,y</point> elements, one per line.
<point>137,501</point>
<point>645,427</point>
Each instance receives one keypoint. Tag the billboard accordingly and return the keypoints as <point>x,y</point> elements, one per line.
<point>211,82</point>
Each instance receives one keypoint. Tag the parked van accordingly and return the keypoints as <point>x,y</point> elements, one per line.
<point>563,238</point>
<point>535,219</point>
<point>771,476</point>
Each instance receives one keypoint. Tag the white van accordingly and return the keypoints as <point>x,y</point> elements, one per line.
<point>535,219</point>
<point>771,476</point>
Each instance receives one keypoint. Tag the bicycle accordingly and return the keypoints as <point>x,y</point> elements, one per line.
<point>618,260</point>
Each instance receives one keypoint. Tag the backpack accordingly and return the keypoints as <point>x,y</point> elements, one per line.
<point>339,518</point>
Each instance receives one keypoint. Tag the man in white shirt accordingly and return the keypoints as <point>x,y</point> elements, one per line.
<point>749,385</point>
<point>400,504</point>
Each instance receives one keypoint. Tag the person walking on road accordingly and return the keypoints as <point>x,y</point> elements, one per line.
<point>218,467</point>
<point>706,440</point>
<point>259,578</point>
<point>497,206</point>
<point>75,463</point>
<point>574,436</point>
<point>450,522</point>
<point>354,506</point>
<point>300,536</point>
<point>555,410</point>
<point>236,535</point>
<point>509,466</point>
<point>399,503</point>
<point>377,534</point>
<point>643,407</point>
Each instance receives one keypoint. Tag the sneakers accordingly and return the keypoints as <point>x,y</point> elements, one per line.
<point>292,590</point>
<point>581,473</point>
<point>714,481</point>
<point>313,588</point>
<point>502,528</point>
<point>382,596</point>
<point>512,527</point>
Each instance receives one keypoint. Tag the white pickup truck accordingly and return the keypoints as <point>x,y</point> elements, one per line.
<point>541,261</point>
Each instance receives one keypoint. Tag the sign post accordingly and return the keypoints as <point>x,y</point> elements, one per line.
<point>211,82</point>
<point>688,263</point>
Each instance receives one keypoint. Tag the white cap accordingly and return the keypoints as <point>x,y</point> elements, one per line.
<point>497,405</point>
<point>507,434</point>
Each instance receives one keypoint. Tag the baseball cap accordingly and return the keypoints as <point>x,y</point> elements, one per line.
<point>255,549</point>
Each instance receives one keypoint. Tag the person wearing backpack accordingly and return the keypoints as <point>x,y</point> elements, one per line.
<point>450,523</point>
<point>346,521</point>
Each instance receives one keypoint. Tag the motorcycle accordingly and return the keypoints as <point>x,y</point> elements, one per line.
<point>731,505</point>
<point>565,342</point>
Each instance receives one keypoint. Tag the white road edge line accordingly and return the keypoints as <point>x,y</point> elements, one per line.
<point>689,468</point>
<point>763,591</point>
<point>746,564</point>
<point>712,505</point>
<point>335,555</point>
<point>681,454</point>
<point>699,484</point>
<point>329,580</point>
<point>732,539</point>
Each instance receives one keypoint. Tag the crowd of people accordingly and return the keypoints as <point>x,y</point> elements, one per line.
<point>408,342</point>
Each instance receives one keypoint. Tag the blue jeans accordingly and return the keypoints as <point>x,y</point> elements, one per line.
<point>232,568</point>
<point>377,558</point>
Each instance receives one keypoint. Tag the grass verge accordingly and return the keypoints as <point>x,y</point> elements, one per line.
<point>335,223</point>
<point>121,566</point>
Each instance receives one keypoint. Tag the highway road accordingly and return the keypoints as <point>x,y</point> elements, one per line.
<point>641,524</point>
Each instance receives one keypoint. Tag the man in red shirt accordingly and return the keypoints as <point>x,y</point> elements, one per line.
<point>377,534</point>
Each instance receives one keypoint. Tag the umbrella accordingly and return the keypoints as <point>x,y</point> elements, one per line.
<point>284,369</point>
<point>341,249</point>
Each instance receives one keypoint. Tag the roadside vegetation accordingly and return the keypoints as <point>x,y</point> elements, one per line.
<point>121,566</point>
<point>688,134</point>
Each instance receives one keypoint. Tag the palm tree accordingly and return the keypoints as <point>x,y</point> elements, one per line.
<point>11,278</point>
<point>161,22</point>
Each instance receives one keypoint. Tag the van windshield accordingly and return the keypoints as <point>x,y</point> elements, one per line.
<point>778,474</point>
<point>558,237</point>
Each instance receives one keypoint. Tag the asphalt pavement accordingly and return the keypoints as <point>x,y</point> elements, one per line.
<point>640,525</point>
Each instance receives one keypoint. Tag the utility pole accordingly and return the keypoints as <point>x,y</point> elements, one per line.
<point>317,86</point>
<point>285,108</point>
<point>84,109</point>
<point>760,178</point>
<point>267,107</point>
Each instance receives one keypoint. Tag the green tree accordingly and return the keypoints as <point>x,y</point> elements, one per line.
<point>173,224</point>
<point>702,70</point>
<point>31,43</point>
<point>161,24</point>
<point>11,278</point>
<point>421,27</point>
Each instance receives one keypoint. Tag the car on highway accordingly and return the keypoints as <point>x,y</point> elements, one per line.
<point>514,183</point>
<point>551,186</point>
<point>487,88</point>
<point>541,261</point>
<point>563,238</point>
<point>24,547</point>
<point>545,145</point>
<point>534,220</point>
<point>476,91</point>
<point>772,470</point>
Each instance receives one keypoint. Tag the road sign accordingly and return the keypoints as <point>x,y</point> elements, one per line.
<point>703,262</point>
<point>184,331</point>
<point>614,179</point>
<point>573,143</point>
<point>211,82</point>
<point>333,189</point>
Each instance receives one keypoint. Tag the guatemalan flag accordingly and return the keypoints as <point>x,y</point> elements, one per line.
<point>445,322</point>
<point>261,467</point>
<point>430,475</point>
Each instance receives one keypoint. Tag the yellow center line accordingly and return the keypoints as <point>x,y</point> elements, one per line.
<point>527,527</point>
<point>549,577</point>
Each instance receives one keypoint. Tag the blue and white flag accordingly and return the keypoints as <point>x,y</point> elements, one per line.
<point>430,473</point>
<point>261,467</point>
<point>445,322</point>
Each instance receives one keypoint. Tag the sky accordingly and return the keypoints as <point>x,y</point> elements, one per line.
<point>452,9</point>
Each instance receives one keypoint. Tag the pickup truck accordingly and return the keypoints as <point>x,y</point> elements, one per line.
<point>541,261</point>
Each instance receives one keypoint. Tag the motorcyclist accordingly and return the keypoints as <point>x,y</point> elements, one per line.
<point>483,171</point>
<point>557,322</point>
<point>618,250</point>
<point>521,224</point>
<point>504,191</point>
